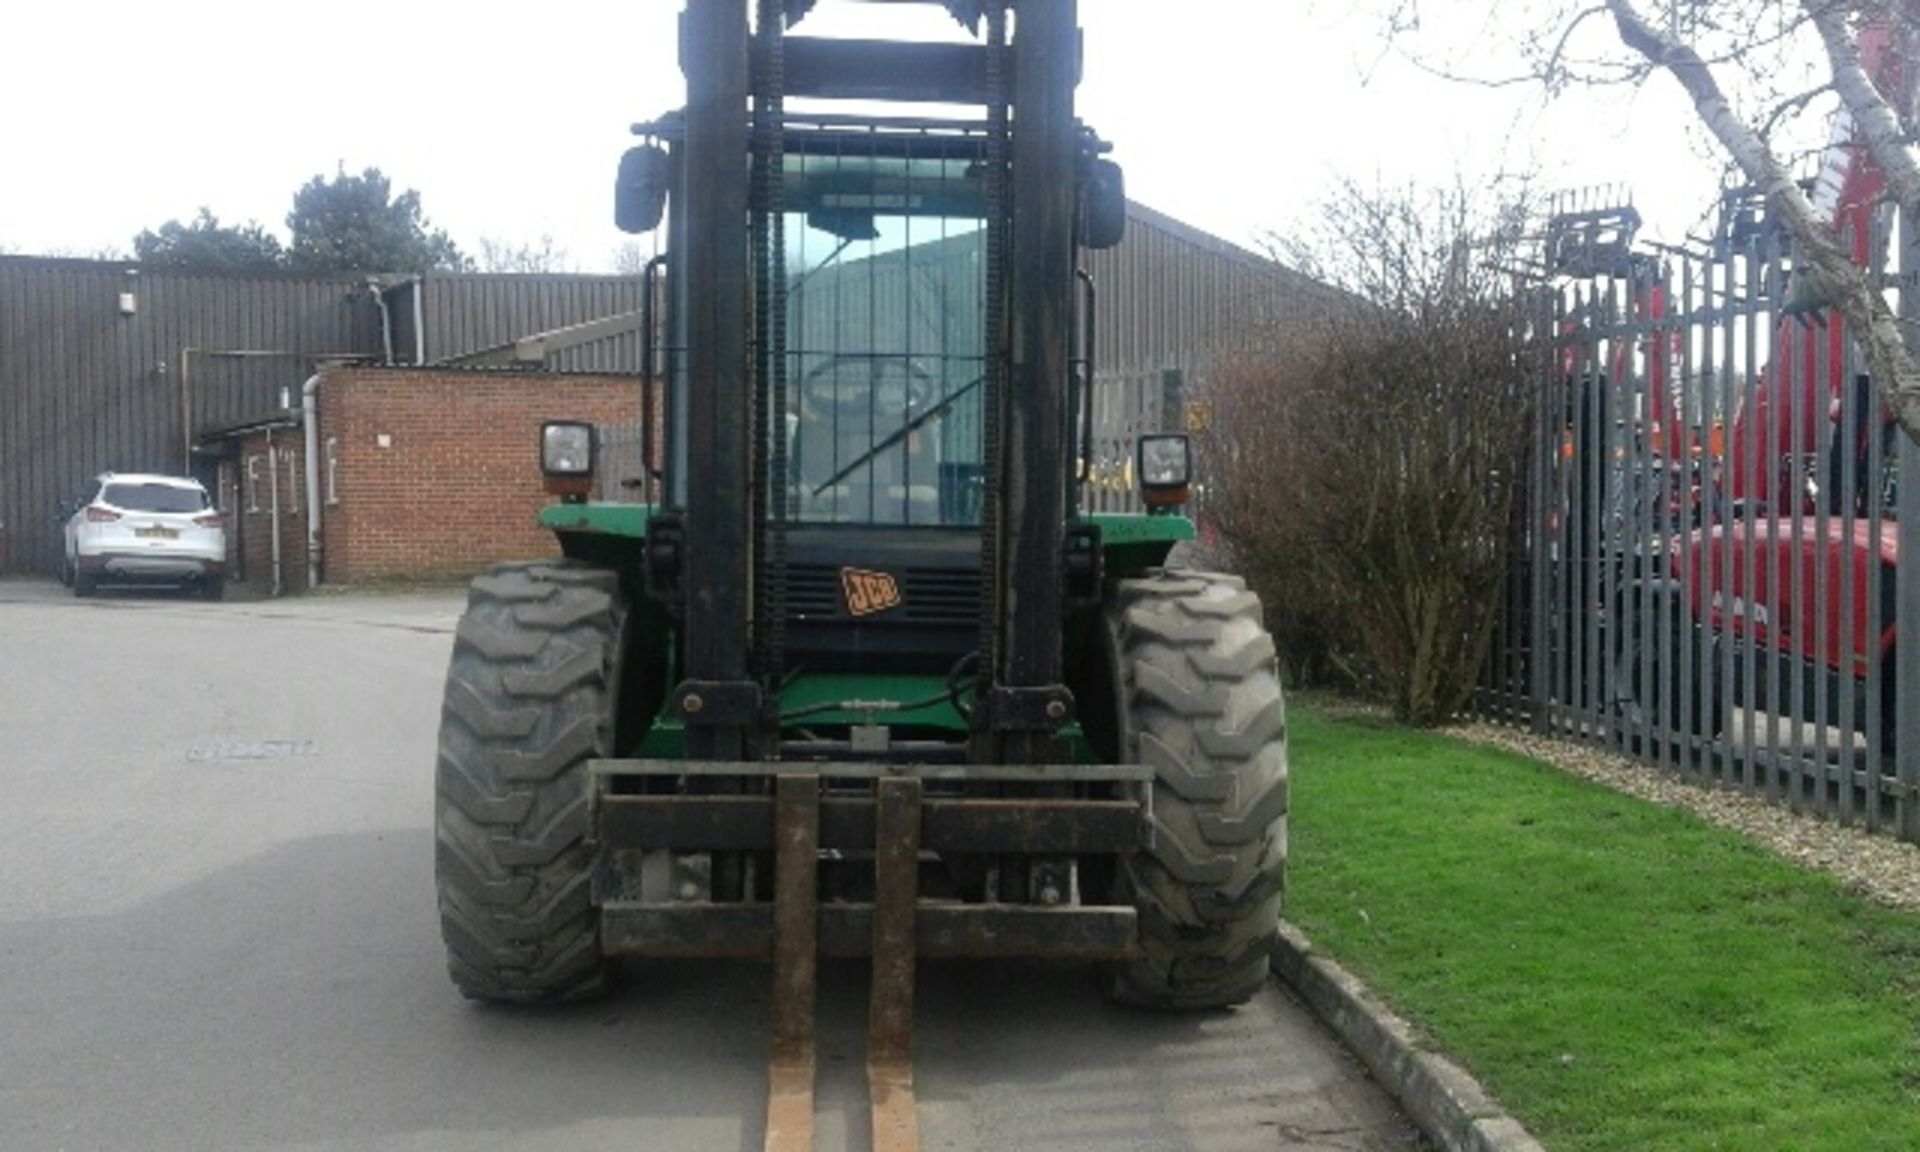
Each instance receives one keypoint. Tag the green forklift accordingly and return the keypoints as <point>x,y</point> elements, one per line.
<point>855,673</point>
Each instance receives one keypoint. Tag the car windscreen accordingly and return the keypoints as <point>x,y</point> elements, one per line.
<point>154,498</point>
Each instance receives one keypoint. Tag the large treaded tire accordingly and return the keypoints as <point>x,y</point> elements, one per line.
<point>1638,705</point>
<point>529,701</point>
<point>1200,702</point>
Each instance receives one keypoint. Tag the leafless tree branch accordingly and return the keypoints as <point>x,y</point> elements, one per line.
<point>1791,106</point>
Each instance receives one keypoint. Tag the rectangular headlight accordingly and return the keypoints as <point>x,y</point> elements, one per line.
<point>1164,463</point>
<point>566,448</point>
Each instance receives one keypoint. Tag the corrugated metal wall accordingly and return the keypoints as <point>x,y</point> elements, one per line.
<point>465,312</point>
<point>85,388</point>
<point>1172,296</point>
<point>1172,301</point>
<point>1169,296</point>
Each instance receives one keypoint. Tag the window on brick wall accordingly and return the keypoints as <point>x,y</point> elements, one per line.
<point>333,470</point>
<point>253,484</point>
<point>293,482</point>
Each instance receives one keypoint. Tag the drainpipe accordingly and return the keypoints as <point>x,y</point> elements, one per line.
<point>310,425</point>
<point>419,326</point>
<point>273,521</point>
<point>186,411</point>
<point>386,319</point>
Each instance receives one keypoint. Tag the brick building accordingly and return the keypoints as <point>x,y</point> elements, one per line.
<point>423,473</point>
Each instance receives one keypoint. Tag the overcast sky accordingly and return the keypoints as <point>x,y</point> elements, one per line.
<point>1229,114</point>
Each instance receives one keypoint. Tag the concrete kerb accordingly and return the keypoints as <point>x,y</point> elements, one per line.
<point>1447,1103</point>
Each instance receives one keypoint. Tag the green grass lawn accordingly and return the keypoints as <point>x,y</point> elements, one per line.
<point>1619,975</point>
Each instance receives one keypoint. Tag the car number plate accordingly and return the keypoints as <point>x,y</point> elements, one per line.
<point>157,533</point>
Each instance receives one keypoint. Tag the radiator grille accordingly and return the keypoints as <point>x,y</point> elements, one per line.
<point>927,595</point>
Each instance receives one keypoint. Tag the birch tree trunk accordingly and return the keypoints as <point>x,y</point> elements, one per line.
<point>1822,258</point>
<point>1874,116</point>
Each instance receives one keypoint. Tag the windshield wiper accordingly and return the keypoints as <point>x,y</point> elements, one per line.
<point>906,430</point>
<point>808,274</point>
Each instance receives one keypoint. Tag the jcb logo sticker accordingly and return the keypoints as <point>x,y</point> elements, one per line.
<point>868,592</point>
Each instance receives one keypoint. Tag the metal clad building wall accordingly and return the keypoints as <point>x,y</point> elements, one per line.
<point>1174,296</point>
<point>466,312</point>
<point>84,388</point>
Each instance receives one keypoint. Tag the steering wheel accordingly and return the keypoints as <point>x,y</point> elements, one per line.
<point>852,386</point>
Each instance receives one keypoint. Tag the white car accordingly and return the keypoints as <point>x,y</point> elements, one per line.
<point>135,528</point>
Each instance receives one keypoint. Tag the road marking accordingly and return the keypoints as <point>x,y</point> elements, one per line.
<point>254,750</point>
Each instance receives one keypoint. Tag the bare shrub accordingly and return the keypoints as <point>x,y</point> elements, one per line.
<point>1367,460</point>
<point>1261,499</point>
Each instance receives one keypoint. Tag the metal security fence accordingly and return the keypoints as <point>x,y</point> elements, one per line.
<point>1708,573</point>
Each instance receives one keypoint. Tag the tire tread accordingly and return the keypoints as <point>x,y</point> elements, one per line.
<point>529,701</point>
<point>1202,704</point>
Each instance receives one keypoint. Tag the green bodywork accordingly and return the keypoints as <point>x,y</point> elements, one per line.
<point>665,738</point>
<point>629,520</point>
<point>612,535</point>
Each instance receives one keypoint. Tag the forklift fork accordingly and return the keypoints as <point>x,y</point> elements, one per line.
<point>896,863</point>
<point>796,962</point>
<point>798,819</point>
<point>896,1122</point>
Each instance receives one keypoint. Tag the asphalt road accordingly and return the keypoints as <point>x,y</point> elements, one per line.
<point>217,931</point>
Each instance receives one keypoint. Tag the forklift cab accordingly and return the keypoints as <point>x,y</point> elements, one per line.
<point>881,291</point>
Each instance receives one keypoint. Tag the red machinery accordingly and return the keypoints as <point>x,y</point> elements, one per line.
<point>1799,576</point>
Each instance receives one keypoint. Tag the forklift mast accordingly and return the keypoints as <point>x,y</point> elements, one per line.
<point>808,392</point>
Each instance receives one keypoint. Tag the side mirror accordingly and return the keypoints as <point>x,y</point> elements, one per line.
<point>1103,204</point>
<point>640,191</point>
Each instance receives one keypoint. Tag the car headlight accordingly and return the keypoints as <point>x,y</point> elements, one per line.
<point>1165,469</point>
<point>566,449</point>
